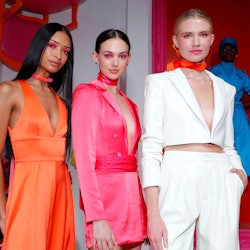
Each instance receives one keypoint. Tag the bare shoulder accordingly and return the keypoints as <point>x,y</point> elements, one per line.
<point>9,89</point>
<point>10,93</point>
<point>7,85</point>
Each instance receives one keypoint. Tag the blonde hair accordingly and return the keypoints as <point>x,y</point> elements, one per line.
<point>189,14</point>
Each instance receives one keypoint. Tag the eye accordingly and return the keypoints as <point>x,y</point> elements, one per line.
<point>108,55</point>
<point>66,51</point>
<point>187,35</point>
<point>123,55</point>
<point>205,34</point>
<point>52,44</point>
<point>232,49</point>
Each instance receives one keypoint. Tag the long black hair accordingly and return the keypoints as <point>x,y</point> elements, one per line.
<point>62,80</point>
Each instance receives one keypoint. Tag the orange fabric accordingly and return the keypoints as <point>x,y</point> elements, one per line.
<point>182,63</point>
<point>40,211</point>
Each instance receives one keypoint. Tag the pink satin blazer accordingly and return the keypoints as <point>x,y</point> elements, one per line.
<point>99,136</point>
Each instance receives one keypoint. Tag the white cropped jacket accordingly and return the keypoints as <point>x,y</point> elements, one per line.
<point>172,116</point>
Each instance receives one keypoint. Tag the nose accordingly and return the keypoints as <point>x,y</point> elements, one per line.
<point>57,53</point>
<point>115,61</point>
<point>196,41</point>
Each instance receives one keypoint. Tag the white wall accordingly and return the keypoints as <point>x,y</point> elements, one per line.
<point>94,16</point>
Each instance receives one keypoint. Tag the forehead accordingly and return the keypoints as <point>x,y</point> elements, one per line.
<point>194,24</point>
<point>61,38</point>
<point>228,45</point>
<point>114,45</point>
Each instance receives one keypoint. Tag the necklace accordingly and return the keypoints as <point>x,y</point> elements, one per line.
<point>41,78</point>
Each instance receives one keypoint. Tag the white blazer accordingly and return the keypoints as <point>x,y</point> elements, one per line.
<point>172,116</point>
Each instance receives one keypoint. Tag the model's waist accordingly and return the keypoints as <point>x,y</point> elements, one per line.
<point>196,147</point>
<point>39,148</point>
<point>116,163</point>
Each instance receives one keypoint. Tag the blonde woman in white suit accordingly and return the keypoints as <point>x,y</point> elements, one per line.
<point>192,176</point>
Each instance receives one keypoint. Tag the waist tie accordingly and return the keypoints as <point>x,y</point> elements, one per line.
<point>114,163</point>
<point>39,149</point>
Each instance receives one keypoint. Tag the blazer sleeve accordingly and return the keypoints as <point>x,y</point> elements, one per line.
<point>84,126</point>
<point>229,134</point>
<point>152,138</point>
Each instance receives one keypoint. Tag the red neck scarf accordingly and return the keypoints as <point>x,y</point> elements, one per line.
<point>102,78</point>
<point>182,63</point>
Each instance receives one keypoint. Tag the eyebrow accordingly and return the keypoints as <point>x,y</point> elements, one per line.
<point>59,43</point>
<point>107,51</point>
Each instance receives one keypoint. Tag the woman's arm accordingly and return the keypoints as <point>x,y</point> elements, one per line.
<point>157,231</point>
<point>8,100</point>
<point>229,142</point>
<point>84,131</point>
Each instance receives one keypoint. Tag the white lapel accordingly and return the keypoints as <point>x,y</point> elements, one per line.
<point>180,82</point>
<point>220,98</point>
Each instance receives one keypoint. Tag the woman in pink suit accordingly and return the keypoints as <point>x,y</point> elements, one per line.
<point>106,132</point>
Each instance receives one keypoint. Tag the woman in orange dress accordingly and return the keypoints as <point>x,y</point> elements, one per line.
<point>39,213</point>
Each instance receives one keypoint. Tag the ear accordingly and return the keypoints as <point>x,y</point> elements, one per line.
<point>95,57</point>
<point>212,40</point>
<point>175,42</point>
<point>129,59</point>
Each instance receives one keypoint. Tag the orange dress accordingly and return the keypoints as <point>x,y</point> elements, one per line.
<point>40,213</point>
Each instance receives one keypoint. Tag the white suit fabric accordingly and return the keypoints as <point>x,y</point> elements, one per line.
<point>172,116</point>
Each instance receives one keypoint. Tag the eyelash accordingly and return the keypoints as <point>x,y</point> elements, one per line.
<point>54,45</point>
<point>122,56</point>
<point>108,55</point>
<point>202,34</point>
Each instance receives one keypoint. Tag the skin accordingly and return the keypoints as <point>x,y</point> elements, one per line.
<point>53,58</point>
<point>193,38</point>
<point>113,59</point>
<point>228,53</point>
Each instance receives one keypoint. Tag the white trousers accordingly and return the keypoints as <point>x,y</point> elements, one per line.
<point>198,192</point>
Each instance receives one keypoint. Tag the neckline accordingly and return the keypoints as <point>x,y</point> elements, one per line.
<point>52,129</point>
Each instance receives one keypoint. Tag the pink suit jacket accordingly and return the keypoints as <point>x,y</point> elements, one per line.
<point>99,130</point>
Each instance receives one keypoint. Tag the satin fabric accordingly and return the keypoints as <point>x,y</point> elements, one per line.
<point>106,80</point>
<point>182,63</point>
<point>241,81</point>
<point>107,168</point>
<point>40,213</point>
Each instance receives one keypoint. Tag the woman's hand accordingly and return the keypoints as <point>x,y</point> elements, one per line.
<point>103,236</point>
<point>2,226</point>
<point>241,174</point>
<point>157,232</point>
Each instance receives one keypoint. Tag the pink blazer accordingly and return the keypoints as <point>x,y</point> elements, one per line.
<point>99,130</point>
